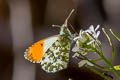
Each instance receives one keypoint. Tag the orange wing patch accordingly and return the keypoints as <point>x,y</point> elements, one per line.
<point>35,53</point>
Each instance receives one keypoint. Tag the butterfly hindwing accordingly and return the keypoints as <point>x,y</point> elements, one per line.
<point>57,56</point>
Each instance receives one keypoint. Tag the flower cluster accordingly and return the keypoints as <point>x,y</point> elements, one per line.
<point>89,33</point>
<point>86,41</point>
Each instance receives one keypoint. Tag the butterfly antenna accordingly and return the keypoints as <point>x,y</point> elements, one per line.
<point>73,28</point>
<point>56,26</point>
<point>65,23</point>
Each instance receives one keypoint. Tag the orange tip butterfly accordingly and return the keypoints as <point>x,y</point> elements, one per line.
<point>53,52</point>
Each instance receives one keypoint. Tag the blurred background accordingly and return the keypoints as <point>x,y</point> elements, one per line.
<point>23,22</point>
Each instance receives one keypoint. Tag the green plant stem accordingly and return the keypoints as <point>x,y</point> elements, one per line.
<point>97,60</point>
<point>99,73</point>
<point>111,44</point>
<point>109,64</point>
<point>98,66</point>
<point>115,35</point>
<point>113,52</point>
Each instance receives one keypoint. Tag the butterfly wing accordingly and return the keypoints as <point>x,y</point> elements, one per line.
<point>57,56</point>
<point>36,52</point>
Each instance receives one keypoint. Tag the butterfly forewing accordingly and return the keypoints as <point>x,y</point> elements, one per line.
<point>36,52</point>
<point>57,56</point>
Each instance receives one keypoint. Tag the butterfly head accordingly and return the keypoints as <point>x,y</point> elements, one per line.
<point>64,28</point>
<point>65,32</point>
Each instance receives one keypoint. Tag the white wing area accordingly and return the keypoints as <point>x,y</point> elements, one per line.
<point>49,42</point>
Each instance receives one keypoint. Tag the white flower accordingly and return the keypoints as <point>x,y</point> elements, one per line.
<point>79,36</point>
<point>83,62</point>
<point>93,33</point>
<point>90,33</point>
<point>80,50</point>
<point>75,55</point>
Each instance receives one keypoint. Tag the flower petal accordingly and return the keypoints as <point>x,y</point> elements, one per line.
<point>90,64</point>
<point>75,49</point>
<point>82,63</point>
<point>98,33</point>
<point>75,55</point>
<point>76,38</point>
<point>80,33</point>
<point>92,28</point>
<point>98,26</point>
<point>90,42</point>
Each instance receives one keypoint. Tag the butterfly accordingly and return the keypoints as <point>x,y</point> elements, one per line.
<point>52,52</point>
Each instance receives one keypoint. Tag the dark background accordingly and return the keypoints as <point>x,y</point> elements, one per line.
<point>23,22</point>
